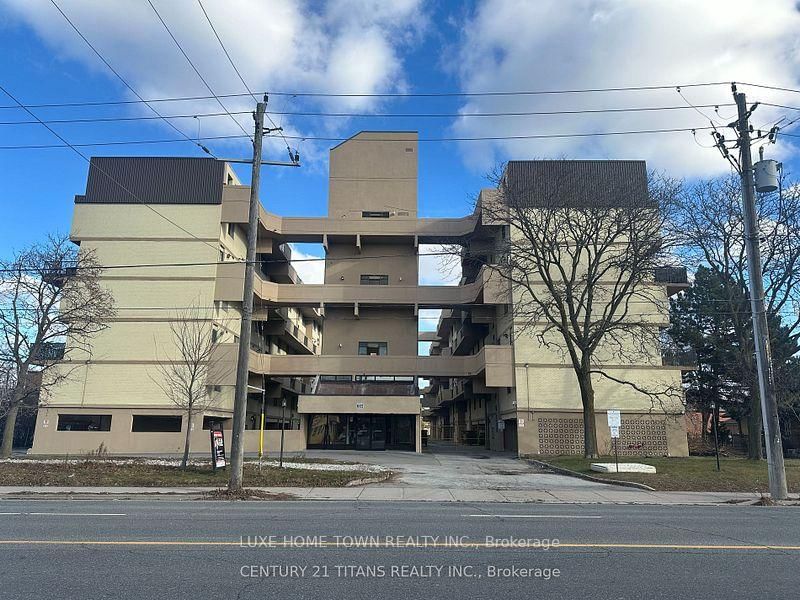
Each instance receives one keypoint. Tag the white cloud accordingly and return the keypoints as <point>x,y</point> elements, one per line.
<point>522,45</point>
<point>344,45</point>
<point>437,266</point>
<point>310,267</point>
<point>429,319</point>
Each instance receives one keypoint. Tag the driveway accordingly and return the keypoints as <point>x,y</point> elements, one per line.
<point>445,466</point>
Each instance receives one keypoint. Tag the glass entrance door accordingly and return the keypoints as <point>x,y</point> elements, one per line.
<point>378,432</point>
<point>363,432</point>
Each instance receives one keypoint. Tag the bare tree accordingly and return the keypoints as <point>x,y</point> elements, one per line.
<point>709,225</point>
<point>184,378</point>
<point>51,306</point>
<point>581,252</point>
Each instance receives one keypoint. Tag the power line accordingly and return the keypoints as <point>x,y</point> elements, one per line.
<point>116,143</point>
<point>354,95</point>
<point>770,87</point>
<point>238,73</point>
<point>381,115</point>
<point>125,82</point>
<point>343,139</point>
<point>88,161</point>
<point>635,88</point>
<point>197,72</point>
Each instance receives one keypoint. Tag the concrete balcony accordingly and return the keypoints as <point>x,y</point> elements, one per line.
<point>235,203</point>
<point>279,324</point>
<point>674,278</point>
<point>494,362</point>
<point>489,288</point>
<point>276,386</point>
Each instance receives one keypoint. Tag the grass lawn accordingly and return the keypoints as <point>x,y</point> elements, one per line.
<point>100,473</point>
<point>695,473</point>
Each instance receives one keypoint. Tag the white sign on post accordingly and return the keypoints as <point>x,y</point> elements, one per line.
<point>614,418</point>
<point>614,432</point>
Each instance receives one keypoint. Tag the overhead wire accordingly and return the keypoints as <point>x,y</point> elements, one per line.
<point>196,70</point>
<point>368,140</point>
<point>125,81</point>
<point>357,95</point>
<point>239,74</point>
<point>88,161</point>
<point>368,115</point>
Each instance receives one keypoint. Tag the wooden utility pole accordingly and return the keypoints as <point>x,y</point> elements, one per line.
<point>766,381</point>
<point>242,364</point>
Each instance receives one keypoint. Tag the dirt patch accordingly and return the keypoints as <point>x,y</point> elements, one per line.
<point>243,494</point>
<point>101,473</point>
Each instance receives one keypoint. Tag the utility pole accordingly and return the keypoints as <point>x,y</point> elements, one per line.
<point>766,381</point>
<point>242,364</point>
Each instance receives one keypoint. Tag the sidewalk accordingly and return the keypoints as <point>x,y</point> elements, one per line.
<point>610,495</point>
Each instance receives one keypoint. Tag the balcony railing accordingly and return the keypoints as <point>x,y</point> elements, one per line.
<point>366,385</point>
<point>50,352</point>
<point>671,275</point>
<point>678,357</point>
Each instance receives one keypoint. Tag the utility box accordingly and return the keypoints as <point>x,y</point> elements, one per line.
<point>766,175</point>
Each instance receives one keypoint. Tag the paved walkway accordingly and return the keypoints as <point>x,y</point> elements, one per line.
<point>445,466</point>
<point>606,495</point>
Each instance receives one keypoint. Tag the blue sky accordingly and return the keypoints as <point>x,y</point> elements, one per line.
<point>368,46</point>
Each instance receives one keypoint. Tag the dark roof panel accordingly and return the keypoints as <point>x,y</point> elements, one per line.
<point>153,180</point>
<point>576,183</point>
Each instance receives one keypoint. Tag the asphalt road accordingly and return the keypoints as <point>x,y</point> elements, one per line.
<point>191,549</point>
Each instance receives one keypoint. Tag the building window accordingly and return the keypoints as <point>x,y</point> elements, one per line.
<point>231,229</point>
<point>84,422</point>
<point>374,280</point>
<point>156,423</point>
<point>372,348</point>
<point>374,214</point>
<point>209,421</point>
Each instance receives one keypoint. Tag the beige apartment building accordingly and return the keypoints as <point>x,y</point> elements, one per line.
<point>336,364</point>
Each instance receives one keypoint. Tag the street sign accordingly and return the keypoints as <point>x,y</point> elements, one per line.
<point>520,422</point>
<point>614,418</point>
<point>614,431</point>
<point>217,447</point>
<point>501,425</point>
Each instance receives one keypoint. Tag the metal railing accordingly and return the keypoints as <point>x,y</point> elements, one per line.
<point>671,275</point>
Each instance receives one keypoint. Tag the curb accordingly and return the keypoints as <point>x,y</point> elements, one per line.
<point>570,473</point>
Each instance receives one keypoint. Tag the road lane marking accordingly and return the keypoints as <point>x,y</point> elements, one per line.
<point>538,516</point>
<point>56,514</point>
<point>453,546</point>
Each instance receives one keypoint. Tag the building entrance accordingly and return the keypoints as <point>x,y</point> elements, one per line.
<point>361,432</point>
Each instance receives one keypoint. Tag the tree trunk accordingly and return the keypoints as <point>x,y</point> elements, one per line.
<point>186,444</point>
<point>704,418</point>
<point>8,430</point>
<point>589,427</point>
<point>754,447</point>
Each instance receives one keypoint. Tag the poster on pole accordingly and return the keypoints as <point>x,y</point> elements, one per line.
<point>217,447</point>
